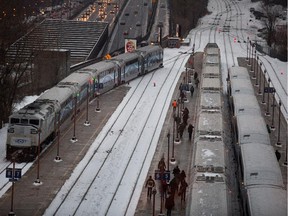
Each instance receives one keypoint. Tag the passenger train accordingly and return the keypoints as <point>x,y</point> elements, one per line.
<point>260,179</point>
<point>210,195</point>
<point>36,123</point>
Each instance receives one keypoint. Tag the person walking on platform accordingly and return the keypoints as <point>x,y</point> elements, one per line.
<point>192,90</point>
<point>278,155</point>
<point>195,75</point>
<point>169,204</point>
<point>181,128</point>
<point>190,131</point>
<point>197,82</point>
<point>182,191</point>
<point>162,165</point>
<point>150,184</point>
<point>174,105</point>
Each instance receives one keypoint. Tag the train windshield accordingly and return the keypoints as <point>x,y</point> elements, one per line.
<point>34,122</point>
<point>14,121</point>
<point>24,121</point>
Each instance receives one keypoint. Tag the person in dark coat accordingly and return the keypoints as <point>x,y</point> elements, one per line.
<point>169,204</point>
<point>278,155</point>
<point>195,75</point>
<point>150,183</point>
<point>182,191</point>
<point>192,90</point>
<point>182,128</point>
<point>190,130</point>
<point>162,165</point>
<point>182,175</point>
<point>197,82</point>
<point>176,171</point>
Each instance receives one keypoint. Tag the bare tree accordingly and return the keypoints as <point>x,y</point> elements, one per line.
<point>270,19</point>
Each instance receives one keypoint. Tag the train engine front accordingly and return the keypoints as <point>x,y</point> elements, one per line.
<point>30,127</point>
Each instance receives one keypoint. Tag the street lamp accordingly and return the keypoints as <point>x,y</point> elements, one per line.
<point>153,193</point>
<point>168,136</point>
<point>87,123</point>
<point>273,111</point>
<point>268,105</point>
<point>255,64</point>
<point>249,62</point>
<point>260,79</point>
<point>58,158</point>
<point>74,139</point>
<point>278,144</point>
<point>257,71</point>
<point>247,48</point>
<point>172,160</point>
<point>97,105</point>
<point>263,98</point>
<point>252,60</point>
<point>37,181</point>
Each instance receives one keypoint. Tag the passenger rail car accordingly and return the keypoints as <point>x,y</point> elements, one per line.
<point>37,122</point>
<point>209,194</point>
<point>260,179</point>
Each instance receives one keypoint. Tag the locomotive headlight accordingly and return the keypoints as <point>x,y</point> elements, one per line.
<point>33,131</point>
<point>11,130</point>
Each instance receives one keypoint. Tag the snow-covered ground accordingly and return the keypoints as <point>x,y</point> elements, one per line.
<point>241,28</point>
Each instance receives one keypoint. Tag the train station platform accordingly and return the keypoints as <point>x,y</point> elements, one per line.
<point>182,152</point>
<point>29,199</point>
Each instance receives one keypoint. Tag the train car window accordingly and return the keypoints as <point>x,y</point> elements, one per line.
<point>34,122</point>
<point>14,121</point>
<point>24,121</point>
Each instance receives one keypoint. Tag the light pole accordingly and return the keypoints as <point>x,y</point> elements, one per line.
<point>74,139</point>
<point>168,136</point>
<point>153,193</point>
<point>268,104</point>
<point>279,125</point>
<point>252,60</point>
<point>249,62</point>
<point>172,160</point>
<point>255,64</point>
<point>263,98</point>
<point>177,140</point>
<point>37,181</point>
<point>247,48</point>
<point>260,79</point>
<point>257,71</point>
<point>273,111</point>
<point>97,105</point>
<point>14,155</point>
<point>87,123</point>
<point>58,158</point>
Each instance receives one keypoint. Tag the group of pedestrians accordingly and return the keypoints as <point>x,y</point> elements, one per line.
<point>169,191</point>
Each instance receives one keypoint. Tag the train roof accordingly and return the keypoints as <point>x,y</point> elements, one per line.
<point>210,123</point>
<point>211,71</point>
<point>79,78</point>
<point>209,199</point>
<point>128,56</point>
<point>241,86</point>
<point>267,201</point>
<point>60,94</point>
<point>245,104</point>
<point>148,49</point>
<point>210,154</point>
<point>100,66</point>
<point>212,59</point>
<point>260,165</point>
<point>252,128</point>
<point>212,49</point>
<point>211,83</point>
<point>210,100</point>
<point>238,73</point>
